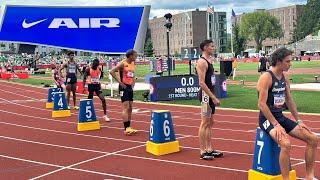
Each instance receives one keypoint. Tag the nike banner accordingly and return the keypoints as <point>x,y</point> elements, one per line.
<point>111,30</point>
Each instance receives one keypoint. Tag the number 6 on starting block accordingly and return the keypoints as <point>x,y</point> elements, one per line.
<point>162,139</point>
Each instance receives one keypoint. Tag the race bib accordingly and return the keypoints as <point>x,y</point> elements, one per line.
<point>205,97</point>
<point>279,100</point>
<point>72,70</point>
<point>130,74</point>
<point>68,80</point>
<point>95,80</point>
<point>213,80</point>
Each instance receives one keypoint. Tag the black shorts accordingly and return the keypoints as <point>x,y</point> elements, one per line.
<point>71,80</point>
<point>285,122</point>
<point>94,88</point>
<point>126,94</point>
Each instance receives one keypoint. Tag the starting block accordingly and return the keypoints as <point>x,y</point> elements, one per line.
<point>162,139</point>
<point>265,165</point>
<point>87,117</point>
<point>60,108</point>
<point>50,99</point>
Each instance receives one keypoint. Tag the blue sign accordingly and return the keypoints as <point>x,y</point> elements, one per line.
<point>161,127</point>
<point>86,112</point>
<point>168,88</point>
<point>97,29</point>
<point>266,154</point>
<point>51,92</point>
<point>60,102</point>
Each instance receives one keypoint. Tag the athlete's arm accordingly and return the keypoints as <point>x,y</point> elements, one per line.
<point>54,77</point>
<point>117,69</point>
<point>102,73</point>
<point>86,73</point>
<point>79,70</point>
<point>202,67</point>
<point>289,100</point>
<point>264,83</point>
<point>62,67</point>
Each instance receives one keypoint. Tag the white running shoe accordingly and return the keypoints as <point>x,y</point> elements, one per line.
<point>106,118</point>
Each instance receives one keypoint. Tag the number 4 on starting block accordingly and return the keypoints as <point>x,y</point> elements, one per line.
<point>265,164</point>
<point>50,99</point>
<point>87,117</point>
<point>60,108</point>
<point>162,139</point>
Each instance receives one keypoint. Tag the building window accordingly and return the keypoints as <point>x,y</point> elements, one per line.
<point>191,41</point>
<point>221,26</point>
<point>210,18</point>
<point>190,33</point>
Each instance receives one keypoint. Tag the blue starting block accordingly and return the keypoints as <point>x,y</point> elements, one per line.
<point>87,119</point>
<point>265,165</point>
<point>50,99</point>
<point>60,108</point>
<point>162,138</point>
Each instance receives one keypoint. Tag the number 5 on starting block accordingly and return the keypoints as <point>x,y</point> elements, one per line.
<point>87,117</point>
<point>162,139</point>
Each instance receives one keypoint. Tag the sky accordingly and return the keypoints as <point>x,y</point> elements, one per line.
<point>161,7</point>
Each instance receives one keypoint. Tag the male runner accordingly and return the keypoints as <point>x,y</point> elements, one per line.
<point>208,100</point>
<point>71,78</point>
<point>126,81</point>
<point>94,74</point>
<point>56,76</point>
<point>274,91</point>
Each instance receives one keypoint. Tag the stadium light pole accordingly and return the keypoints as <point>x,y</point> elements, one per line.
<point>168,25</point>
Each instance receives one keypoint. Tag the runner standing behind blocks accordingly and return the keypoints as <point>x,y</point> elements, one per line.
<point>208,100</point>
<point>126,81</point>
<point>274,91</point>
<point>94,74</point>
<point>56,76</point>
<point>71,78</point>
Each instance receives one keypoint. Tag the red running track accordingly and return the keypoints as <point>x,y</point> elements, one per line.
<point>35,146</point>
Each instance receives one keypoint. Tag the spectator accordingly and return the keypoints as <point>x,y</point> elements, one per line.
<point>263,63</point>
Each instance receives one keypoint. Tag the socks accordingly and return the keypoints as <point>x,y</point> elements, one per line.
<point>126,124</point>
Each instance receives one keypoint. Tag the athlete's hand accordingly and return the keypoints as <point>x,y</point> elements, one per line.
<point>123,85</point>
<point>216,101</point>
<point>280,132</point>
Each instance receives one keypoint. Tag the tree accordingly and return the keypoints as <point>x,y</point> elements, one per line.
<point>309,21</point>
<point>148,46</point>
<point>239,41</point>
<point>258,26</point>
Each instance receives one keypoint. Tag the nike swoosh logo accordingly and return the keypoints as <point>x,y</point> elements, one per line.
<point>28,25</point>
